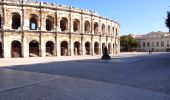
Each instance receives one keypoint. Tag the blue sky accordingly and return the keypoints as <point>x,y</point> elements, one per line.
<point>134,16</point>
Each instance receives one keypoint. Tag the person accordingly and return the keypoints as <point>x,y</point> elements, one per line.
<point>149,51</point>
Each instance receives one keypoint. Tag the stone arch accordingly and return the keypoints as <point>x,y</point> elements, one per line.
<point>34,49</point>
<point>76,48</point>
<point>103,29</point>
<point>87,27</point>
<point>113,29</point>
<point>87,48</point>
<point>109,48</point>
<point>33,22</point>
<point>1,51</point>
<point>96,48</point>
<point>16,21</point>
<point>76,25</point>
<point>96,27</point>
<point>16,50</point>
<point>116,31</point>
<point>64,24</point>
<point>49,23</point>
<point>108,29</point>
<point>49,48</point>
<point>103,46</point>
<point>64,48</point>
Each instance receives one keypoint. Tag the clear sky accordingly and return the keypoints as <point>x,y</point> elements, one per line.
<point>134,16</point>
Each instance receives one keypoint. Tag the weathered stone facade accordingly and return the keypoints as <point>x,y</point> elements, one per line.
<point>153,41</point>
<point>31,29</point>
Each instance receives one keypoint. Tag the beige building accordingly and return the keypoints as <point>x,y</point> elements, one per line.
<point>29,29</point>
<point>155,41</point>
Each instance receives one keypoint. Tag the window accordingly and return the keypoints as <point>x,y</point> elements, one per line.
<point>144,44</point>
<point>33,22</point>
<point>0,21</point>
<point>113,30</point>
<point>87,27</point>
<point>153,44</point>
<point>49,23</point>
<point>16,21</point>
<point>157,44</point>
<point>148,44</point>
<point>108,29</point>
<point>103,29</point>
<point>96,27</point>
<point>64,24</point>
<point>76,25</point>
<point>162,44</point>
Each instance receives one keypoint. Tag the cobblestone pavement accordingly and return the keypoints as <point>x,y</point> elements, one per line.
<point>125,77</point>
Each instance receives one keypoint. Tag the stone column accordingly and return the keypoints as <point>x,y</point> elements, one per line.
<point>25,46</point>
<point>58,46</point>
<point>42,47</point>
<point>82,45</point>
<point>6,46</point>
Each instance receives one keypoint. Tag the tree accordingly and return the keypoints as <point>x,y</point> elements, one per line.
<point>167,21</point>
<point>127,42</point>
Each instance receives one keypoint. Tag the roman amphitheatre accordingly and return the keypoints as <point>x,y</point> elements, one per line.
<point>30,29</point>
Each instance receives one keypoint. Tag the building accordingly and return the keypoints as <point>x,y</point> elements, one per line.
<point>29,29</point>
<point>155,41</point>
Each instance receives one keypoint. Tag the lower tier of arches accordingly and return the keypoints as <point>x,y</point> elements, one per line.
<point>35,47</point>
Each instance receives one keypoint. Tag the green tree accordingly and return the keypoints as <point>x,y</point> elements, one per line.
<point>127,42</point>
<point>167,21</point>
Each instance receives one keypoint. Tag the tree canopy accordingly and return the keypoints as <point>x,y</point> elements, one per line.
<point>167,21</point>
<point>127,42</point>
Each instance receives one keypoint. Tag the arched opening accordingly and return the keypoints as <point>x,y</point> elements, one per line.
<point>64,48</point>
<point>77,48</point>
<point>64,24</point>
<point>103,46</point>
<point>87,48</point>
<point>1,51</point>
<point>96,48</point>
<point>49,23</point>
<point>109,48</point>
<point>103,29</point>
<point>87,27</point>
<point>113,47</point>
<point>116,31</point>
<point>16,21</point>
<point>33,49</point>
<point>49,48</point>
<point>76,25</point>
<point>96,26</point>
<point>0,22</point>
<point>113,29</point>
<point>108,29</point>
<point>33,22</point>
<point>16,49</point>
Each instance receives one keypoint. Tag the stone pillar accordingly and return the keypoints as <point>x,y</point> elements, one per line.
<point>92,46</point>
<point>6,47</point>
<point>42,47</point>
<point>71,46</point>
<point>25,46</point>
<point>82,45</point>
<point>58,47</point>
<point>100,45</point>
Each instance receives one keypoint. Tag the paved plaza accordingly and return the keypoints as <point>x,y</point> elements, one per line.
<point>127,76</point>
